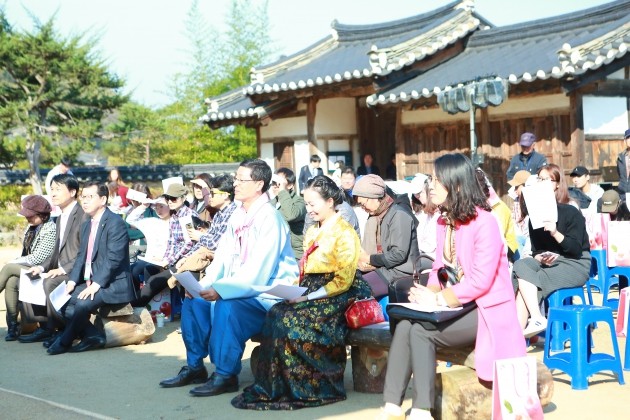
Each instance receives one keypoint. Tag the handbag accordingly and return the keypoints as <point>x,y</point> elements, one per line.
<point>364,312</point>
<point>399,287</point>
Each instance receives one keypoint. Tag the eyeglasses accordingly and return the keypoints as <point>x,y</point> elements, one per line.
<point>239,181</point>
<point>216,191</point>
<point>540,179</point>
<point>88,197</point>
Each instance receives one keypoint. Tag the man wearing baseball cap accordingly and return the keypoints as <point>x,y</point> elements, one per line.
<point>529,159</point>
<point>581,176</point>
<point>611,203</point>
<point>623,165</point>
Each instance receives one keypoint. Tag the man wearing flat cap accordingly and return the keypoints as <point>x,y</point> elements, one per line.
<point>581,176</point>
<point>529,159</point>
<point>623,165</point>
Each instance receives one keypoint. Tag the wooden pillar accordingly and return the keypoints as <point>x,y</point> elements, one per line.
<point>399,147</point>
<point>582,151</point>
<point>311,110</point>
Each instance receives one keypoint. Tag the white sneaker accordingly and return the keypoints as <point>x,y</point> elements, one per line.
<point>534,327</point>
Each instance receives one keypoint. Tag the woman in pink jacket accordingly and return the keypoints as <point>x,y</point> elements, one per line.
<point>468,240</point>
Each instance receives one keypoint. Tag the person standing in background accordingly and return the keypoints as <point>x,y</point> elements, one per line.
<point>310,171</point>
<point>529,159</point>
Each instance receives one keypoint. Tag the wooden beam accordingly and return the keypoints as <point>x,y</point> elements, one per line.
<point>311,110</point>
<point>576,123</point>
<point>613,87</point>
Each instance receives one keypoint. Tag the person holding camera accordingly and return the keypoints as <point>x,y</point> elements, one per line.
<point>470,246</point>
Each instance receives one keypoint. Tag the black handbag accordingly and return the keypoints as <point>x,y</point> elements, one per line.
<point>399,293</point>
<point>399,287</point>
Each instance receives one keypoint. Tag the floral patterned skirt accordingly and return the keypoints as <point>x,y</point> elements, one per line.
<point>302,355</point>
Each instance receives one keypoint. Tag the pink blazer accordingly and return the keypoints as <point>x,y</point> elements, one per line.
<point>481,254</point>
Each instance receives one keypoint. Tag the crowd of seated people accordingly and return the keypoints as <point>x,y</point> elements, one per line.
<point>342,238</point>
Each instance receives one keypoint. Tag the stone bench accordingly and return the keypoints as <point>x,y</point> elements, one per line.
<point>459,393</point>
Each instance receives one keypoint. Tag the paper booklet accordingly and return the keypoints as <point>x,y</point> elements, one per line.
<point>32,288</point>
<point>189,282</point>
<point>59,297</point>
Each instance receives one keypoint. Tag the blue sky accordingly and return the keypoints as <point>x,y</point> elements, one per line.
<point>144,41</point>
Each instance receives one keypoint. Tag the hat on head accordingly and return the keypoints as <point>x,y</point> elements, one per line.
<point>527,139</point>
<point>626,134</point>
<point>579,171</point>
<point>369,186</point>
<point>199,182</point>
<point>531,180</point>
<point>176,190</point>
<point>610,201</point>
<point>417,183</point>
<point>33,205</point>
<point>519,178</point>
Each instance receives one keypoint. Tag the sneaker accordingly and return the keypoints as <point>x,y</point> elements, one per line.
<point>178,330</point>
<point>534,327</point>
<point>385,415</point>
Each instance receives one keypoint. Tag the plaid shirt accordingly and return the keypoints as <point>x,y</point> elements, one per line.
<point>218,227</point>
<point>176,246</point>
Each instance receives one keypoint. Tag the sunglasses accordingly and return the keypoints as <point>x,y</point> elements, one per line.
<point>171,199</point>
<point>216,191</point>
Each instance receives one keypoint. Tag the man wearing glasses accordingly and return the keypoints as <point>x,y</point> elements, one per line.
<point>254,251</point>
<point>100,274</point>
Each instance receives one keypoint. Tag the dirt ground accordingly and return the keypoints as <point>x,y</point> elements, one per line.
<point>123,383</point>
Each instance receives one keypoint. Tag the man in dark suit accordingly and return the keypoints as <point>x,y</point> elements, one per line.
<point>368,168</point>
<point>55,269</point>
<point>310,171</point>
<point>100,275</point>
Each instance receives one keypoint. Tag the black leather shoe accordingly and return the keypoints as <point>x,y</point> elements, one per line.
<point>47,342</point>
<point>12,331</point>
<point>216,385</point>
<point>57,347</point>
<point>89,343</point>
<point>36,336</point>
<point>186,376</point>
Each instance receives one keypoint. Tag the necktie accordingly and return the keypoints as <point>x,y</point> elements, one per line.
<point>90,248</point>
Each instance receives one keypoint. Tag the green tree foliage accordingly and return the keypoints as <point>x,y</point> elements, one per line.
<point>54,91</point>
<point>136,136</point>
<point>219,62</point>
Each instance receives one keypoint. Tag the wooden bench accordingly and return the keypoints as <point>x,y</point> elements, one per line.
<point>124,324</point>
<point>459,394</point>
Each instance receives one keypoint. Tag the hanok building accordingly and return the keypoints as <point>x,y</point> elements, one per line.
<point>383,89</point>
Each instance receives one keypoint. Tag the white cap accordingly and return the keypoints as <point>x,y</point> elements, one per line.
<point>417,183</point>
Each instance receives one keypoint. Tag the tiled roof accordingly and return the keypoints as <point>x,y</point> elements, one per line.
<point>350,52</point>
<point>556,47</point>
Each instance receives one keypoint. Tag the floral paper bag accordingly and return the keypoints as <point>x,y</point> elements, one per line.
<point>514,392</point>
<point>618,249</point>
<point>597,229</point>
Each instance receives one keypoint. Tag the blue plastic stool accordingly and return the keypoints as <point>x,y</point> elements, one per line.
<point>562,297</point>
<point>598,265</point>
<point>580,362</point>
<point>626,363</point>
<point>383,302</point>
<point>616,273</point>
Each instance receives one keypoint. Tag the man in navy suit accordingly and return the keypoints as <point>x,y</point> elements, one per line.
<point>100,275</point>
<point>310,171</point>
<point>56,268</point>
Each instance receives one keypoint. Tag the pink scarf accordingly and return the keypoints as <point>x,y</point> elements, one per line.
<point>247,218</point>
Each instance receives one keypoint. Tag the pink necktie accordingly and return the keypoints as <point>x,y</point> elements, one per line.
<point>90,248</point>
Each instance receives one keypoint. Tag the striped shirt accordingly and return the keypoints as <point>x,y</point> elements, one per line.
<point>218,227</point>
<point>177,247</point>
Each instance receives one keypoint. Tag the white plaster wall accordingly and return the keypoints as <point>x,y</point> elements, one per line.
<point>284,127</point>
<point>302,154</point>
<point>336,116</point>
<point>266,154</point>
